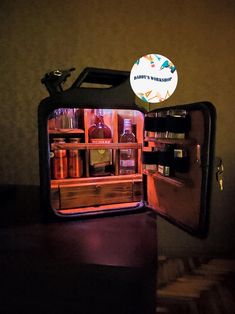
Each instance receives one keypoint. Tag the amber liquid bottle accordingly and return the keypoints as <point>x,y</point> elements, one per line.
<point>100,159</point>
<point>127,156</point>
<point>60,162</point>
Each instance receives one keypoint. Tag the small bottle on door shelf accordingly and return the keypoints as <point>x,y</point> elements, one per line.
<point>150,125</point>
<point>128,155</point>
<point>75,161</point>
<point>181,160</point>
<point>161,124</point>
<point>165,159</point>
<point>177,124</point>
<point>150,159</point>
<point>155,124</point>
<point>60,161</point>
<point>100,163</point>
<point>151,168</point>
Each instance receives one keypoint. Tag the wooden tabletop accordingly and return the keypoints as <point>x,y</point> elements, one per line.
<point>101,265</point>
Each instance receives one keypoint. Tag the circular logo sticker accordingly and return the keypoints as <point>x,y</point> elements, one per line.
<point>153,78</point>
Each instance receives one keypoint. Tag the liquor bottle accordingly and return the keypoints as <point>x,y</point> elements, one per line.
<point>100,159</point>
<point>127,156</point>
<point>150,125</point>
<point>165,159</point>
<point>75,163</point>
<point>181,160</point>
<point>177,123</point>
<point>60,162</point>
<point>161,124</point>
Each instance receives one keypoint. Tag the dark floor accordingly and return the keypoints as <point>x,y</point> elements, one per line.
<point>196,285</point>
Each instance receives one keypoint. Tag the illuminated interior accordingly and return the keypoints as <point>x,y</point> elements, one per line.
<point>167,173</point>
<point>81,192</point>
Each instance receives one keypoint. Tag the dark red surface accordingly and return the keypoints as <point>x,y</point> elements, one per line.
<point>101,265</point>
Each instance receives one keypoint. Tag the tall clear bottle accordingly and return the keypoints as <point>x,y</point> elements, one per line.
<point>127,156</point>
<point>100,159</point>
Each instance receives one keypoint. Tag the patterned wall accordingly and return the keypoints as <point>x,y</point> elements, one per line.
<point>36,36</point>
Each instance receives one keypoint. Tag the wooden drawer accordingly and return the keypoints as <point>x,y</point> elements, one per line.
<point>72,196</point>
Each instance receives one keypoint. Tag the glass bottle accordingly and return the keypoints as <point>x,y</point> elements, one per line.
<point>161,124</point>
<point>149,125</point>
<point>60,162</point>
<point>177,121</point>
<point>100,159</point>
<point>127,156</point>
<point>165,160</point>
<point>75,160</point>
<point>58,120</point>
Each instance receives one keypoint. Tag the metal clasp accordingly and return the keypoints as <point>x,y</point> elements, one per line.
<point>219,172</point>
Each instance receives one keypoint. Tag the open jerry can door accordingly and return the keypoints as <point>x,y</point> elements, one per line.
<point>180,193</point>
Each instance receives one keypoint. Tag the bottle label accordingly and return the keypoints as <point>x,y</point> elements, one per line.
<point>149,167</point>
<point>100,157</point>
<point>127,163</point>
<point>164,170</point>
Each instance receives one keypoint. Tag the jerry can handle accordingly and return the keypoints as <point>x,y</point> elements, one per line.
<point>101,76</point>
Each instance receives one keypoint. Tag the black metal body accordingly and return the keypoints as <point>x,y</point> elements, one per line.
<point>120,96</point>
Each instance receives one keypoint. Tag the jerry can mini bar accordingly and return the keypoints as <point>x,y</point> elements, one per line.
<point>101,154</point>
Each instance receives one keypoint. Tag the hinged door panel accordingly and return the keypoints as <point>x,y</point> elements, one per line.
<point>178,160</point>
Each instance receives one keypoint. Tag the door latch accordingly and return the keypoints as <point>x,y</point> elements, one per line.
<point>219,172</point>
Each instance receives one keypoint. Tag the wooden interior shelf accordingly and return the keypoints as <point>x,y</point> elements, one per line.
<point>171,180</point>
<point>97,208</point>
<point>188,141</point>
<point>69,181</point>
<point>82,146</point>
<point>66,131</point>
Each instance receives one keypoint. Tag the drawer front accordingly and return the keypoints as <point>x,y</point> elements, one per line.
<point>98,194</point>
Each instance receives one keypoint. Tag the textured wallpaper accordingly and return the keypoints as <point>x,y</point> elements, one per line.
<point>37,36</point>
